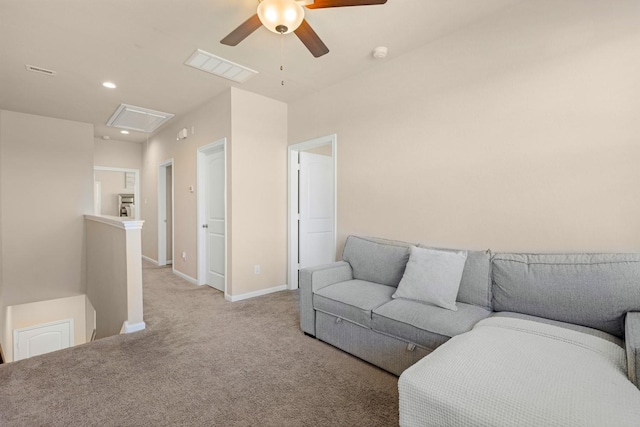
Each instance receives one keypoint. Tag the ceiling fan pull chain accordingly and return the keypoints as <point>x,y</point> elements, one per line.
<point>282,58</point>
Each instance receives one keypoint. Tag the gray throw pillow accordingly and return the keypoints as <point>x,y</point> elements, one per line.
<point>432,276</point>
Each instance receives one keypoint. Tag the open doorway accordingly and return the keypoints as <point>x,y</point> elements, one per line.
<point>212,213</point>
<point>312,205</point>
<point>116,192</point>
<point>165,212</point>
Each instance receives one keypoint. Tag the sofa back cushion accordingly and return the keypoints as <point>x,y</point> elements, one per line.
<point>376,260</point>
<point>593,290</point>
<point>475,286</point>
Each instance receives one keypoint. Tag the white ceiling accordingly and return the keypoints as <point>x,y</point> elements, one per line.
<point>141,45</point>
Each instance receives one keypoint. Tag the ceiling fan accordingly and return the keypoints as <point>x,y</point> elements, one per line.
<point>286,16</point>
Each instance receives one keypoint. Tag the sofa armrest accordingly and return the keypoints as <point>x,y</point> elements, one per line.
<point>632,342</point>
<point>313,279</point>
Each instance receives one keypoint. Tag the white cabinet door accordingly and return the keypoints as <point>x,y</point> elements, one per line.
<point>40,339</point>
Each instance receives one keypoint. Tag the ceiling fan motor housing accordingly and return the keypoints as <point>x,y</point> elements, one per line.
<point>280,16</point>
<point>287,16</point>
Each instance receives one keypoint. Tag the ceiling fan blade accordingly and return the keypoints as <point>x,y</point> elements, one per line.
<point>321,4</point>
<point>243,31</point>
<point>311,40</point>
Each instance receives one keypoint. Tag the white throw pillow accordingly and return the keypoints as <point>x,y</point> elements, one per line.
<point>432,276</point>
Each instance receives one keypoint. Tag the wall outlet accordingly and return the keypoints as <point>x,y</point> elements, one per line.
<point>184,256</point>
<point>256,269</point>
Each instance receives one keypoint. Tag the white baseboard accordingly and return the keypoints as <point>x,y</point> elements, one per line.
<point>234,298</point>
<point>135,327</point>
<point>146,258</point>
<point>185,277</point>
<point>170,261</point>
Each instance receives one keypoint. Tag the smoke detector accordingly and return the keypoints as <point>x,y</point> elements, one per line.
<point>380,52</point>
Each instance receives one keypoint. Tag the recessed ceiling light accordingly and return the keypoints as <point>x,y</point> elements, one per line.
<point>124,132</point>
<point>109,85</point>
<point>106,137</point>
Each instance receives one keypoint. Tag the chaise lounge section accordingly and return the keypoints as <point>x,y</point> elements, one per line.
<point>533,339</point>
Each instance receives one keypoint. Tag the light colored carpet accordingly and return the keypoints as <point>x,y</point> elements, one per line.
<point>202,361</point>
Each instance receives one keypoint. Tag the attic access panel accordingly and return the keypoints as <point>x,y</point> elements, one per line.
<point>138,118</point>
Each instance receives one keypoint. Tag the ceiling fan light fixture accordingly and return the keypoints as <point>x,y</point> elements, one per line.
<point>280,16</point>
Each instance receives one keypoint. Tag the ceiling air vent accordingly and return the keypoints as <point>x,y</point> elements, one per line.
<point>40,70</point>
<point>213,64</point>
<point>138,118</point>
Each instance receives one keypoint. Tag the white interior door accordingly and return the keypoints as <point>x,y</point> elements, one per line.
<point>41,339</point>
<point>169,216</point>
<point>165,212</point>
<point>316,198</point>
<point>215,218</point>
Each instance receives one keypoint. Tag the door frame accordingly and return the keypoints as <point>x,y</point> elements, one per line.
<point>162,212</point>
<point>201,232</point>
<point>136,187</point>
<point>292,196</point>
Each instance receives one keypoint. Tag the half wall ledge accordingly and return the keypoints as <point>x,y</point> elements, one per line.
<point>114,273</point>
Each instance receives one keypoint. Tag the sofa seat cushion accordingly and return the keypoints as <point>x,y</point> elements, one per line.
<point>352,300</point>
<point>425,325</point>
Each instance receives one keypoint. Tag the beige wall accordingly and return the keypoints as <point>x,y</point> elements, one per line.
<point>107,276</point>
<point>3,308</point>
<point>514,138</point>
<point>47,175</point>
<point>256,132</point>
<point>212,122</point>
<point>117,154</point>
<point>114,273</point>
<point>259,192</point>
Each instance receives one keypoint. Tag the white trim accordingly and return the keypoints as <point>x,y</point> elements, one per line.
<point>136,189</point>
<point>127,328</point>
<point>292,197</point>
<point>116,221</point>
<point>150,259</point>
<point>185,277</point>
<point>162,210</point>
<point>234,298</point>
<point>201,214</point>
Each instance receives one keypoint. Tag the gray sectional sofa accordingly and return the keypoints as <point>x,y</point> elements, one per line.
<point>515,312</point>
